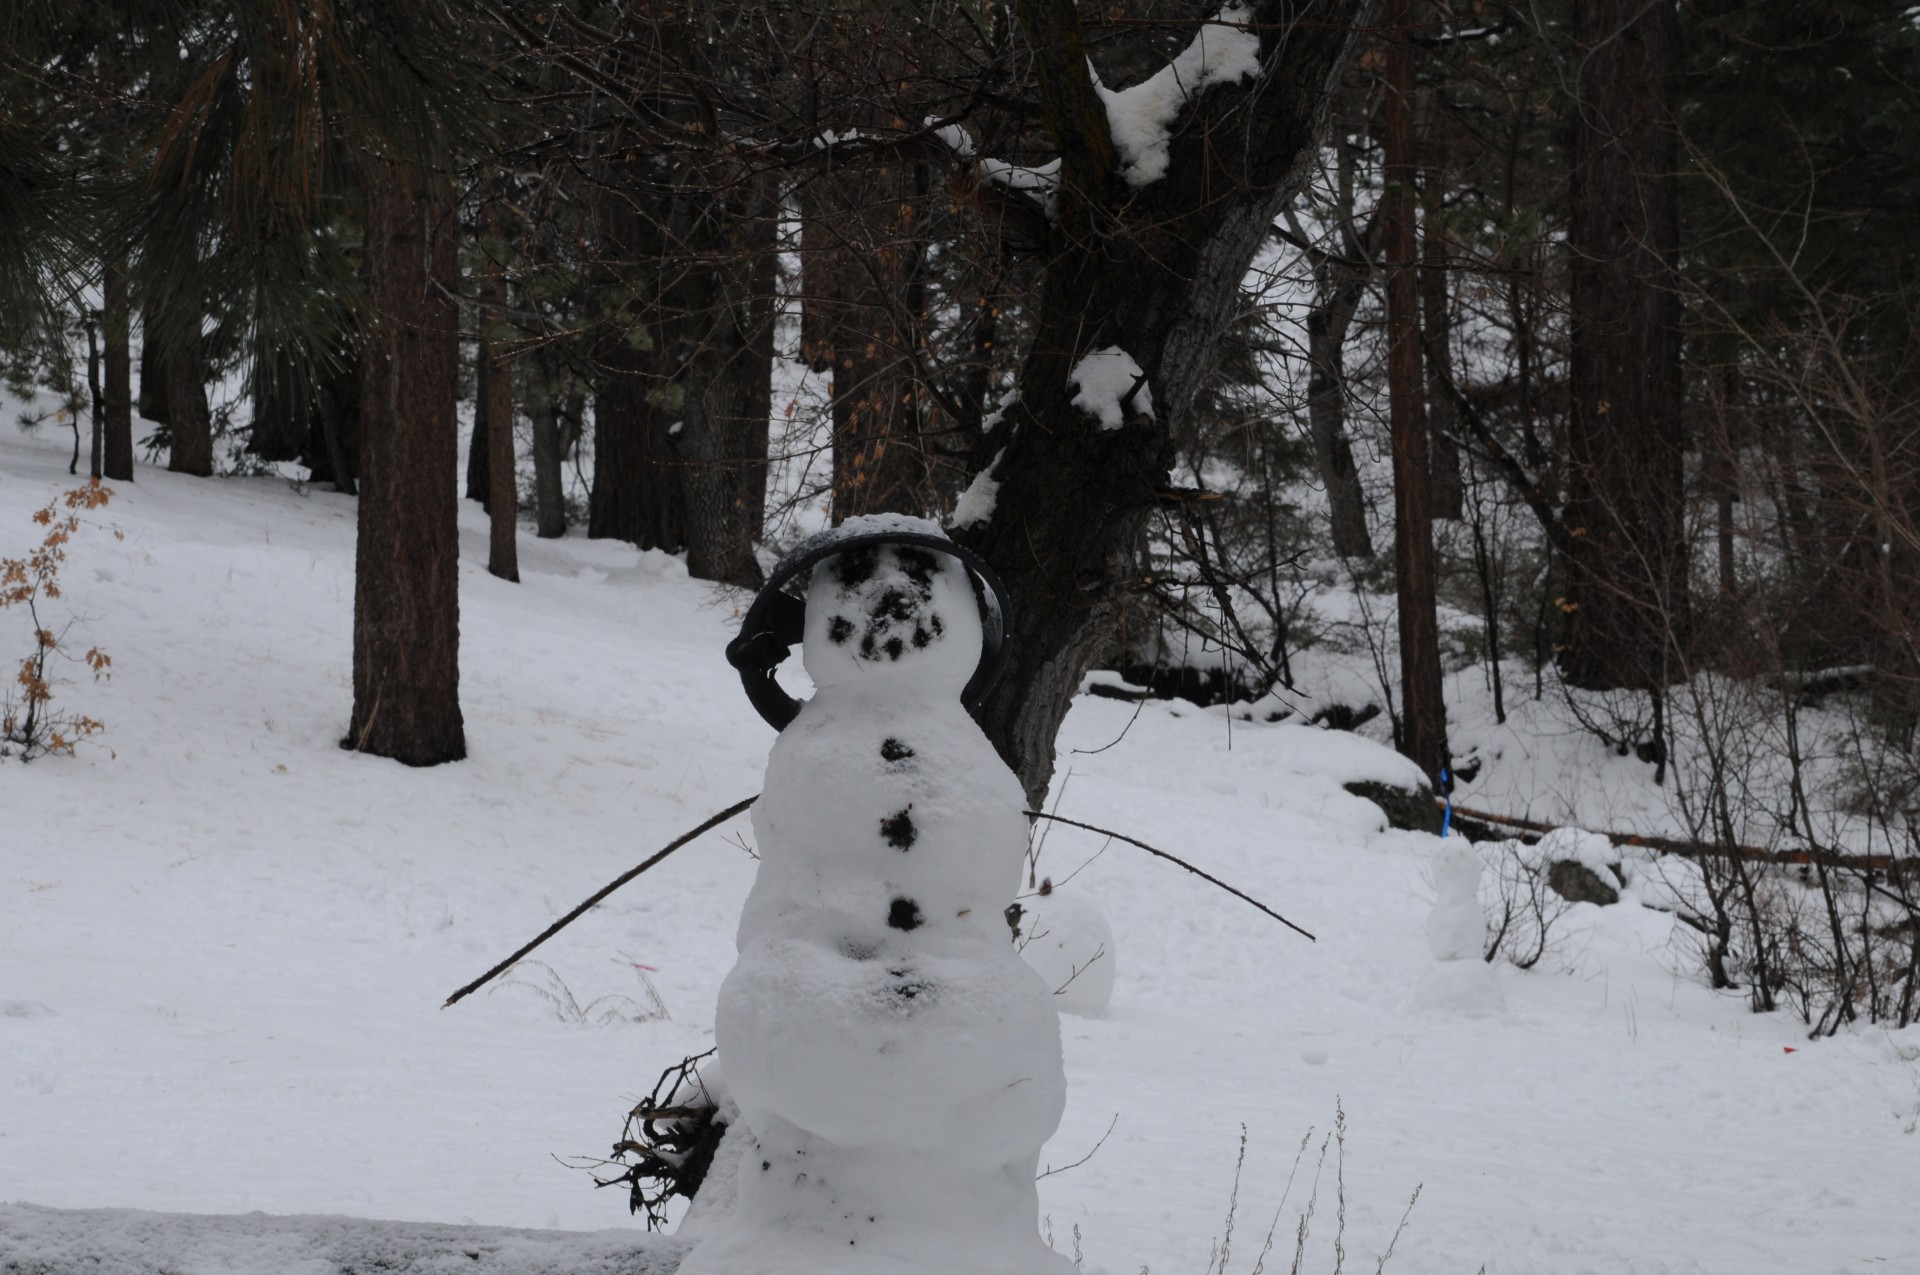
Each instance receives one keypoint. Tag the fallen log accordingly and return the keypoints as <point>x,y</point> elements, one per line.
<point>1699,849</point>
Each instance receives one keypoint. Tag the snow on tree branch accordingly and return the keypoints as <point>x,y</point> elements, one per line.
<point>1111,384</point>
<point>1141,118</point>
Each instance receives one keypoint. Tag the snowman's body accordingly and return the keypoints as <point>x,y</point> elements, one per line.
<point>895,1062</point>
<point>1460,981</point>
<point>1456,928</point>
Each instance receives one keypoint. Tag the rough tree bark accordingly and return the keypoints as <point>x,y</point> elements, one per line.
<point>116,321</point>
<point>1155,270</point>
<point>1423,714</point>
<point>1627,599</point>
<point>406,600</point>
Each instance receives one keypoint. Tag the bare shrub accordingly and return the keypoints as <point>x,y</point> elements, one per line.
<point>1523,906</point>
<point>29,724</point>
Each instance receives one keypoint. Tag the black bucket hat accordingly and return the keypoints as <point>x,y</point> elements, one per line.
<point>777,620</point>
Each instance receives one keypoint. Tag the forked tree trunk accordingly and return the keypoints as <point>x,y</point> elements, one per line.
<point>1155,270</point>
<point>406,600</point>
<point>1627,593</point>
<point>1423,714</point>
<point>116,321</point>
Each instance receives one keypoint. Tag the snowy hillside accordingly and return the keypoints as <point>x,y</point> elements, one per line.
<point>224,944</point>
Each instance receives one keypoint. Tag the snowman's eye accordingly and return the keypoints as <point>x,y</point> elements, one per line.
<point>839,629</point>
<point>855,567</point>
<point>917,564</point>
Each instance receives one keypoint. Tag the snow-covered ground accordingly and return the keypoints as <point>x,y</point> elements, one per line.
<point>224,943</point>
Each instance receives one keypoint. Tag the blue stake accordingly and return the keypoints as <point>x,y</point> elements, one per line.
<point>1446,789</point>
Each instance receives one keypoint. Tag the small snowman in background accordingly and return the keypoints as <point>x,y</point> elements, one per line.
<point>1461,980</point>
<point>1065,936</point>
<point>895,1065</point>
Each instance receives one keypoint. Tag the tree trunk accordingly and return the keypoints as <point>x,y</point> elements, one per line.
<point>1340,289</point>
<point>189,419</point>
<point>1423,714</point>
<point>97,410</point>
<point>153,370</point>
<point>549,445</point>
<point>757,380</point>
<point>479,449</point>
<point>117,317</point>
<point>406,601</point>
<point>1721,464</point>
<point>1627,593</point>
<point>1155,270</point>
<point>496,397</point>
<point>636,494</point>
<point>332,453</point>
<point>862,250</point>
<point>1437,350</point>
<point>281,408</point>
<point>728,388</point>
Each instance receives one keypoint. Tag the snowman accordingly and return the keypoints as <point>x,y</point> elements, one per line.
<point>1460,980</point>
<point>895,1065</point>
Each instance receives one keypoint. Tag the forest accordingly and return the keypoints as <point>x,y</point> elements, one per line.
<point>1449,372</point>
<point>1439,475</point>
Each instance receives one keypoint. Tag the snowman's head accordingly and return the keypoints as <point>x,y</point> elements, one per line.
<point>901,614</point>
